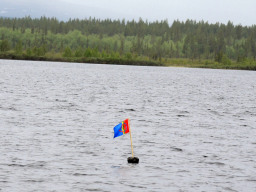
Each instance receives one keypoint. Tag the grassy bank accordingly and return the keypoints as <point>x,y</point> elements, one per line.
<point>138,61</point>
<point>196,63</point>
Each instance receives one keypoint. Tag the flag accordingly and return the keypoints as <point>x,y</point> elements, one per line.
<point>122,128</point>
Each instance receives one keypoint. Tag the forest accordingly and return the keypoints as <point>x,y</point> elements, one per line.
<point>188,44</point>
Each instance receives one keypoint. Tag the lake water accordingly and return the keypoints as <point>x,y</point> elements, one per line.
<point>192,129</point>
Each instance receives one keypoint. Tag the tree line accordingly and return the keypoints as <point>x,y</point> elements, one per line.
<point>156,40</point>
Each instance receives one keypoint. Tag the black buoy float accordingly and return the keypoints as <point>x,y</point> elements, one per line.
<point>134,160</point>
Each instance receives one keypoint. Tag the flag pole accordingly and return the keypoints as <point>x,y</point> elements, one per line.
<point>131,137</point>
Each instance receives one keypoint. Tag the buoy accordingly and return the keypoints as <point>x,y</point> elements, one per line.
<point>134,160</point>
<point>121,129</point>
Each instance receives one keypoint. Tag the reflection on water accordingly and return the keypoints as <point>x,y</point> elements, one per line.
<point>193,129</point>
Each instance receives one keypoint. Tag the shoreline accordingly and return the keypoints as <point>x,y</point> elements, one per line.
<point>178,62</point>
<point>93,60</point>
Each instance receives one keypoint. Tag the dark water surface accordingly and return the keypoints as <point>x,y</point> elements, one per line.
<point>193,129</point>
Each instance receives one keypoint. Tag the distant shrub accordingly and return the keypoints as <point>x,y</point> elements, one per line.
<point>4,46</point>
<point>67,52</point>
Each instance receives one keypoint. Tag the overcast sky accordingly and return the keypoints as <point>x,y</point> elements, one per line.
<point>238,11</point>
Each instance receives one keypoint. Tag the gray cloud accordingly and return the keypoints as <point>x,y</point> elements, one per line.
<point>208,10</point>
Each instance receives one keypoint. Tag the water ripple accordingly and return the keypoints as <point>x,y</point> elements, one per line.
<point>193,129</point>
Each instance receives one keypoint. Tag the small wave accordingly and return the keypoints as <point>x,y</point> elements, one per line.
<point>229,189</point>
<point>93,189</point>
<point>34,181</point>
<point>8,108</point>
<point>183,171</point>
<point>61,100</point>
<point>135,186</point>
<point>37,165</point>
<point>252,180</point>
<point>115,167</point>
<point>16,165</point>
<point>215,163</point>
<point>215,113</point>
<point>130,109</point>
<point>32,165</point>
<point>181,115</point>
<point>220,98</point>
<point>184,112</point>
<point>176,149</point>
<point>81,174</point>
<point>146,141</point>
